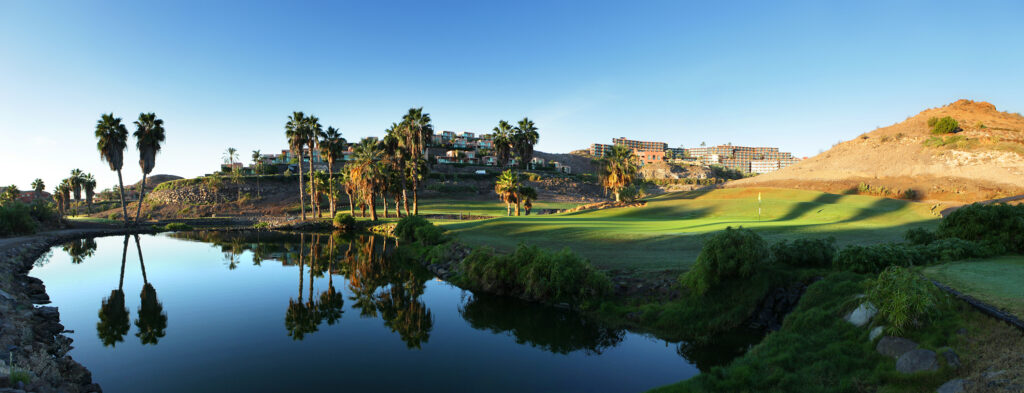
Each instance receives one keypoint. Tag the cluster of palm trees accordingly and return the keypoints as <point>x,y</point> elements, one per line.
<point>387,168</point>
<point>511,190</point>
<point>515,142</point>
<point>73,185</point>
<point>618,170</point>
<point>112,140</point>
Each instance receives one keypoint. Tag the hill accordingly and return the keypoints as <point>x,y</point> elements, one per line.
<point>983,161</point>
<point>154,180</point>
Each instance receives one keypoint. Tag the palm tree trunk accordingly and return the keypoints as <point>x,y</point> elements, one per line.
<point>330,178</point>
<point>312,187</point>
<point>384,196</point>
<point>142,195</point>
<point>351,204</point>
<point>302,244</point>
<point>124,209</point>
<point>617,198</point>
<point>415,197</point>
<point>405,200</point>
<point>141,263</point>
<point>517,207</point>
<point>124,256</point>
<point>398,201</point>
<point>373,206</point>
<point>508,208</point>
<point>302,191</point>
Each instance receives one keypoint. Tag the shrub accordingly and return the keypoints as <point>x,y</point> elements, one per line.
<point>177,226</point>
<point>932,121</point>
<point>405,229</point>
<point>430,235</point>
<point>874,258</point>
<point>953,249</point>
<point>261,225</point>
<point>995,225</point>
<point>536,274</point>
<point>909,194</point>
<point>16,219</point>
<point>902,297</point>
<point>43,211</point>
<point>805,252</point>
<point>945,125</point>
<point>112,216</point>
<point>919,236</point>
<point>733,253</point>
<point>344,221</point>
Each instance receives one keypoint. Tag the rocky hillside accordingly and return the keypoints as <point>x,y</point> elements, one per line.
<point>983,161</point>
<point>664,170</point>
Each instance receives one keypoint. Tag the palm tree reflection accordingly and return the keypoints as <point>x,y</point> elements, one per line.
<point>114,320</point>
<point>80,249</point>
<point>152,320</point>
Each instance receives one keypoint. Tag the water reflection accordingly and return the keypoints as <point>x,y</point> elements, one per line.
<point>81,249</point>
<point>114,315</point>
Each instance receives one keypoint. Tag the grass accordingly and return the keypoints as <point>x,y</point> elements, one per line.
<point>667,232</point>
<point>995,281</point>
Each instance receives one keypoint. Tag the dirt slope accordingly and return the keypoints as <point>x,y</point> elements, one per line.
<point>987,163</point>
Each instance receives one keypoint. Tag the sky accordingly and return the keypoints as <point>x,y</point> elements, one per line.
<point>797,75</point>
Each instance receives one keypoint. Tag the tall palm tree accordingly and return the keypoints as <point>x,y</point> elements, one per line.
<point>58,198</point>
<point>397,153</point>
<point>38,186</point>
<point>507,187</point>
<point>332,148</point>
<point>230,155</point>
<point>367,172</point>
<point>503,143</point>
<point>618,170</point>
<point>76,186</point>
<point>418,131</point>
<point>149,134</point>
<point>256,165</point>
<point>89,185</point>
<point>295,130</point>
<point>346,181</point>
<point>528,195</point>
<point>523,139</point>
<point>112,139</point>
<point>66,192</point>
<point>314,132</point>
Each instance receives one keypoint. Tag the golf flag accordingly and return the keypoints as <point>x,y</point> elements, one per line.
<point>759,206</point>
<point>759,197</point>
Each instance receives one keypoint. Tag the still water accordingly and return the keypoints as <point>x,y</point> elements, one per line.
<point>241,311</point>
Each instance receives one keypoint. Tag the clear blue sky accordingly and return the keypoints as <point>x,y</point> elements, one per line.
<point>798,75</point>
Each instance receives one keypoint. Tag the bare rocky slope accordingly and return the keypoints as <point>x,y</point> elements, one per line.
<point>984,161</point>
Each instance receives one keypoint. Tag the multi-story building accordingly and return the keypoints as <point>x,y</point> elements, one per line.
<point>640,145</point>
<point>764,166</point>
<point>743,158</point>
<point>647,157</point>
<point>600,150</point>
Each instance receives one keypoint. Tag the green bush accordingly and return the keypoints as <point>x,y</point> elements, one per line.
<point>405,229</point>
<point>177,226</point>
<point>932,121</point>
<point>805,252</point>
<point>732,253</point>
<point>919,236</point>
<point>902,297</point>
<point>344,221</point>
<point>43,211</point>
<point>945,125</point>
<point>536,274</point>
<point>953,249</point>
<point>430,235</point>
<point>16,219</point>
<point>995,225</point>
<point>261,225</point>
<point>874,258</point>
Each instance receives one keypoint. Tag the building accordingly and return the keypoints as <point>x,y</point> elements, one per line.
<point>640,145</point>
<point>649,156</point>
<point>600,150</point>
<point>743,158</point>
<point>764,166</point>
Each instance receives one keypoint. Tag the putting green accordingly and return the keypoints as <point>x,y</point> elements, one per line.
<point>996,281</point>
<point>667,232</point>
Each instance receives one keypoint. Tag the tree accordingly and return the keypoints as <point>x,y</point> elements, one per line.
<point>256,166</point>
<point>395,141</point>
<point>295,130</point>
<point>10,194</point>
<point>149,134</point>
<point>332,148</point>
<point>524,137</point>
<point>345,179</point>
<point>417,131</point>
<point>66,189</point>
<point>366,172</point>
<point>112,139</point>
<point>618,170</point>
<point>528,195</point>
<point>230,155</point>
<point>58,199</point>
<point>38,186</point>
<point>503,143</point>
<point>76,186</point>
<point>945,125</point>
<point>314,132</point>
<point>507,187</point>
<point>89,184</point>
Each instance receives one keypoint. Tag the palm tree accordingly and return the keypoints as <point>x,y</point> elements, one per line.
<point>66,193</point>
<point>366,172</point>
<point>230,155</point>
<point>149,134</point>
<point>314,132</point>
<point>112,139</point>
<point>256,165</point>
<point>503,142</point>
<point>528,195</point>
<point>89,184</point>
<point>76,186</point>
<point>523,139</point>
<point>507,188</point>
<point>417,131</point>
<point>295,130</point>
<point>152,320</point>
<point>332,149</point>
<point>317,184</point>
<point>618,170</point>
<point>350,189</point>
<point>58,198</point>
<point>114,319</point>
<point>38,186</point>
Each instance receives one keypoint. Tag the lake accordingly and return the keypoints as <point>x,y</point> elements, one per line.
<point>270,311</point>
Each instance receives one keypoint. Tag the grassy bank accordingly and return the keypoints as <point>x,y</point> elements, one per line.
<point>666,233</point>
<point>996,281</point>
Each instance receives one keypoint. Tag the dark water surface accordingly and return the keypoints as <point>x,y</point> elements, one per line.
<point>236,311</point>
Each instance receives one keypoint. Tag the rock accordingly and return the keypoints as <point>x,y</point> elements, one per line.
<point>952,359</point>
<point>6,295</point>
<point>877,331</point>
<point>953,386</point>
<point>895,346</point>
<point>916,361</point>
<point>862,315</point>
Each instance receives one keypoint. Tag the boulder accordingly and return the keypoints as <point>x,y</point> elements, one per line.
<point>916,361</point>
<point>953,386</point>
<point>895,346</point>
<point>952,359</point>
<point>877,331</point>
<point>862,315</point>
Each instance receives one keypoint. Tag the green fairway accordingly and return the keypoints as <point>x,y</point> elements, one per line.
<point>666,233</point>
<point>493,208</point>
<point>996,281</point>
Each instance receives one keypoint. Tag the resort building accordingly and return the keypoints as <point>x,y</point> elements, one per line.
<point>641,145</point>
<point>741,158</point>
